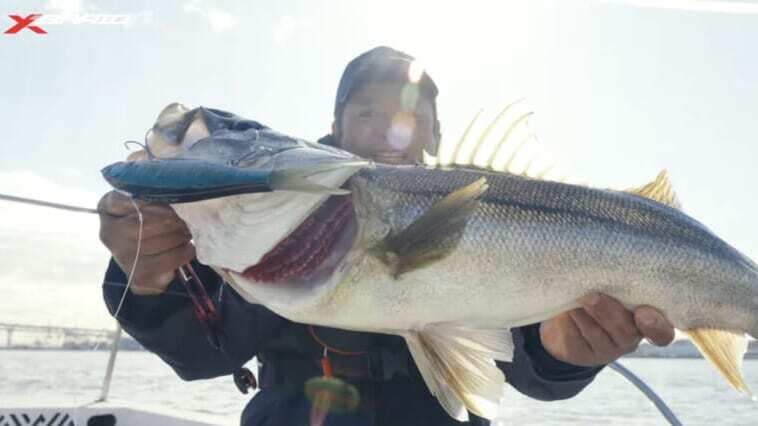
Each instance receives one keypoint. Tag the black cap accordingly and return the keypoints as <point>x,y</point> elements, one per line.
<point>378,65</point>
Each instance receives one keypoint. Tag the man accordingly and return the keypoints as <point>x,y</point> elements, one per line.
<point>380,113</point>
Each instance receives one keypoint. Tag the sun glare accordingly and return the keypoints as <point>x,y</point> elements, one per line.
<point>415,71</point>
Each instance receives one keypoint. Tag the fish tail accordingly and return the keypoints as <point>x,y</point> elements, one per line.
<point>725,350</point>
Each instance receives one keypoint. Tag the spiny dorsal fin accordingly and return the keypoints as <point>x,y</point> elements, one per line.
<point>659,190</point>
<point>483,136</point>
<point>457,364</point>
<point>515,151</point>
<point>434,234</point>
<point>724,349</point>
<point>464,136</point>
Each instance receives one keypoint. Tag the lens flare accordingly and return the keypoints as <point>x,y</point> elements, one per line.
<point>409,97</point>
<point>400,133</point>
<point>415,71</point>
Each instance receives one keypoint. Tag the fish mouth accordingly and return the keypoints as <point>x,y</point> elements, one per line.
<point>314,249</point>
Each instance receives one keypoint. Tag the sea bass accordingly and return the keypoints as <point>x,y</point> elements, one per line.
<point>449,258</point>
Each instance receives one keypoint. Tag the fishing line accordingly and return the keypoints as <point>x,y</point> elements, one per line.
<point>129,281</point>
<point>144,146</point>
<point>47,204</point>
<point>130,276</point>
<point>136,258</point>
<point>117,334</point>
<point>243,378</point>
<point>78,209</point>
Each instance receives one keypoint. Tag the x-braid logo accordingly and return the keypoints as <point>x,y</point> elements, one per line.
<point>35,21</point>
<point>26,22</point>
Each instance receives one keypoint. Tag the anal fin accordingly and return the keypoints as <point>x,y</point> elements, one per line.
<point>458,366</point>
<point>724,349</point>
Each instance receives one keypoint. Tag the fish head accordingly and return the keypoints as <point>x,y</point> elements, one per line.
<point>221,137</point>
<point>281,246</point>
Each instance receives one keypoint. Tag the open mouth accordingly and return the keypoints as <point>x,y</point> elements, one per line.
<point>315,247</point>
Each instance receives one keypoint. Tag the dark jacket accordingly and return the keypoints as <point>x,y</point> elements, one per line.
<point>391,388</point>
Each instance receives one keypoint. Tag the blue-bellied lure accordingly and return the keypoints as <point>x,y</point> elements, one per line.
<point>170,181</point>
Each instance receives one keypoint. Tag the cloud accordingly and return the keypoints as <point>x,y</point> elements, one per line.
<point>218,19</point>
<point>52,261</point>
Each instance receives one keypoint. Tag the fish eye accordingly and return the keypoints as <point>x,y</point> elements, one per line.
<point>243,125</point>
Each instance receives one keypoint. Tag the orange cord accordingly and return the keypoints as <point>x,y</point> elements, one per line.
<point>326,367</point>
<point>331,349</point>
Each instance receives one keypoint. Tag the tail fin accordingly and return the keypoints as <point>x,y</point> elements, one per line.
<point>725,350</point>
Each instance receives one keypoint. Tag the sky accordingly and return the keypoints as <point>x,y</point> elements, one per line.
<point>620,90</point>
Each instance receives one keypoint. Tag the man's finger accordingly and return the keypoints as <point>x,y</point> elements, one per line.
<point>614,318</point>
<point>116,204</point>
<point>154,273</point>
<point>157,285</point>
<point>162,223</point>
<point>653,325</point>
<point>563,340</point>
<point>165,242</point>
<point>169,260</point>
<point>149,211</point>
<point>156,220</point>
<point>598,339</point>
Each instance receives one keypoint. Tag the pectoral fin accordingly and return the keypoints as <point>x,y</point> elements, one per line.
<point>434,234</point>
<point>724,349</point>
<point>458,366</point>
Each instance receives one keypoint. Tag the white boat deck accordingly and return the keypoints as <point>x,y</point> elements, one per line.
<point>110,413</point>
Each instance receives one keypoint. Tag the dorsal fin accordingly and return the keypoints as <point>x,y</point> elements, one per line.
<point>659,190</point>
<point>487,130</point>
<point>513,151</point>
<point>464,136</point>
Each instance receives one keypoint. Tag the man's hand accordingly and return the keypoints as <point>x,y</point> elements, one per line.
<point>164,247</point>
<point>601,331</point>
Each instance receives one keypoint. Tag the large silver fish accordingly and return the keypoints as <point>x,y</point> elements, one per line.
<point>448,258</point>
